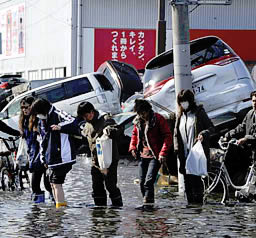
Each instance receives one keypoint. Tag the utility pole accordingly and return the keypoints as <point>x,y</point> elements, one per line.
<point>80,38</point>
<point>74,38</point>
<point>161,28</point>
<point>181,48</point>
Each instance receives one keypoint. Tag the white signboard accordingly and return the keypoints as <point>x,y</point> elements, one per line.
<point>12,32</point>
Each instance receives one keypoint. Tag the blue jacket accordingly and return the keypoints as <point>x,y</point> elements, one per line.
<point>57,148</point>
<point>33,147</point>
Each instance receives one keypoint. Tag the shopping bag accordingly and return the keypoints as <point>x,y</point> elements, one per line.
<point>3,147</point>
<point>22,157</point>
<point>104,151</point>
<point>196,163</point>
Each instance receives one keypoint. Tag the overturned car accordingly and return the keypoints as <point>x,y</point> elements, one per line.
<point>220,80</point>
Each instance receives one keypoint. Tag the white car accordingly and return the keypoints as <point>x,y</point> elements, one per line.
<point>67,94</point>
<point>220,79</point>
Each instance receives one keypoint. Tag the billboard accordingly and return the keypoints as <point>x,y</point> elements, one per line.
<point>132,46</point>
<point>12,32</point>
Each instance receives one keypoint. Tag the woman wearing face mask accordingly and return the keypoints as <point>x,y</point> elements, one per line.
<point>57,147</point>
<point>192,124</point>
<point>35,166</point>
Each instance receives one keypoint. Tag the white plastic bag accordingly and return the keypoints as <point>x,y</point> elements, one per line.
<point>104,151</point>
<point>196,163</point>
<point>3,147</point>
<point>22,154</point>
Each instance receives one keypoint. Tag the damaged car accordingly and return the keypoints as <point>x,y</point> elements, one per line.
<point>220,80</point>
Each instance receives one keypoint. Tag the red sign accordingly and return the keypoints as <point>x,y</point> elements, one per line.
<point>131,46</point>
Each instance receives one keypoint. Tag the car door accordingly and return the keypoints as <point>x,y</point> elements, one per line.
<point>106,94</point>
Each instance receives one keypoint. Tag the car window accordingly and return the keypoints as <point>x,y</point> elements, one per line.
<point>104,82</point>
<point>14,109</point>
<point>77,87</point>
<point>206,51</point>
<point>52,94</point>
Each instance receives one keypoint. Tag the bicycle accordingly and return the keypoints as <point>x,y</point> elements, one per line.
<point>218,182</point>
<point>12,173</point>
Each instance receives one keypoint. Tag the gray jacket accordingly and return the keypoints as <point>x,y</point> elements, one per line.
<point>247,129</point>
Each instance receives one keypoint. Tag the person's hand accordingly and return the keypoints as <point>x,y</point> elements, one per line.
<point>200,137</point>
<point>134,154</point>
<point>241,141</point>
<point>162,159</point>
<point>223,139</point>
<point>55,127</point>
<point>107,130</point>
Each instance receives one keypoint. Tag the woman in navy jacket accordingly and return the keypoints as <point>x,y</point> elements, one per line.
<point>35,166</point>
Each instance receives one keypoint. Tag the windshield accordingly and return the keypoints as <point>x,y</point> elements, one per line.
<point>13,109</point>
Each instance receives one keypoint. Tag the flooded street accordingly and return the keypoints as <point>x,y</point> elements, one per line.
<point>20,218</point>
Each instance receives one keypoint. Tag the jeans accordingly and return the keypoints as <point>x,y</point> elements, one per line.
<point>148,170</point>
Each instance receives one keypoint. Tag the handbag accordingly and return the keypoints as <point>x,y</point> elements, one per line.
<point>104,151</point>
<point>196,163</point>
<point>22,157</point>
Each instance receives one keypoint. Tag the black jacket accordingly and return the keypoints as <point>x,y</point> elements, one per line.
<point>57,148</point>
<point>203,126</point>
<point>8,130</point>
<point>94,129</point>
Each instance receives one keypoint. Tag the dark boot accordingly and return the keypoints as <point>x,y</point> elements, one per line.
<point>100,201</point>
<point>190,198</point>
<point>117,201</point>
<point>198,198</point>
<point>148,203</point>
<point>38,198</point>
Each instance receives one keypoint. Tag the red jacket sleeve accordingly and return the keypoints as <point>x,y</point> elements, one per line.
<point>134,139</point>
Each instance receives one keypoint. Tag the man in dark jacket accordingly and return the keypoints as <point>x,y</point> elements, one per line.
<point>150,143</point>
<point>246,135</point>
<point>96,124</point>
<point>8,130</point>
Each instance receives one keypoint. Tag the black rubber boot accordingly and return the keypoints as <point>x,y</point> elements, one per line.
<point>117,202</point>
<point>100,201</point>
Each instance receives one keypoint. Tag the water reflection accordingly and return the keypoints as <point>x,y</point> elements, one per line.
<point>104,221</point>
<point>171,218</point>
<point>43,222</point>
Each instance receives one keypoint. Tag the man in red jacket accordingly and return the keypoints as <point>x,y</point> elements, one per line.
<point>150,143</point>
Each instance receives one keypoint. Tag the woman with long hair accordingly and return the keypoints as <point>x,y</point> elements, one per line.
<point>30,133</point>
<point>192,124</point>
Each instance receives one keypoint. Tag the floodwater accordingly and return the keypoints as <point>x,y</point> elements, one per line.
<point>171,218</point>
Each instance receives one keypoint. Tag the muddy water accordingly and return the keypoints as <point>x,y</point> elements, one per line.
<point>171,218</point>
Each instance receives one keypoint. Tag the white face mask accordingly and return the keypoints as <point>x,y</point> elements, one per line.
<point>184,105</point>
<point>41,116</point>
